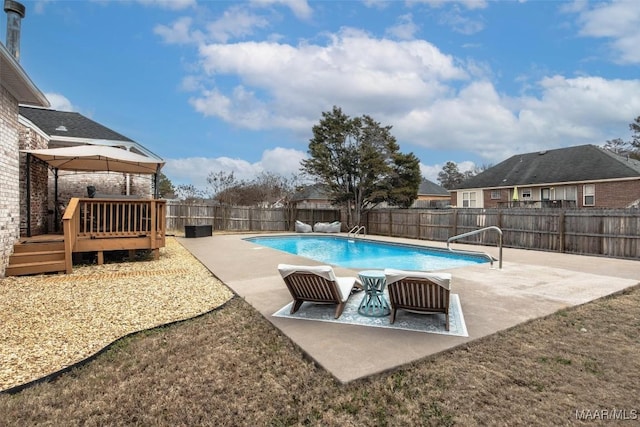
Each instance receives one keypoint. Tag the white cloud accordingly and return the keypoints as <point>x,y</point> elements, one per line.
<point>300,8</point>
<point>235,22</point>
<point>194,170</point>
<point>282,161</point>
<point>59,102</point>
<point>461,23</point>
<point>169,4</point>
<point>289,86</point>
<point>431,99</point>
<point>469,4</point>
<point>480,120</point>
<point>405,29</point>
<point>179,32</point>
<point>618,21</point>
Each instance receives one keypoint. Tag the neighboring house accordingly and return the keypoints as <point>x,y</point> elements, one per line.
<point>15,88</point>
<point>46,128</point>
<point>312,196</point>
<point>431,195</point>
<point>584,176</point>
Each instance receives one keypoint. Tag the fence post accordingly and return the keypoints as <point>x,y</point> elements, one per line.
<point>390,223</point>
<point>561,231</point>
<point>454,225</point>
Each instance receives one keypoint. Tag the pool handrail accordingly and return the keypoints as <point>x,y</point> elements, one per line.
<point>481,230</point>
<point>356,230</point>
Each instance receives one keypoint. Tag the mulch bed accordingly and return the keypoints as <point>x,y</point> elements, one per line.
<point>50,322</point>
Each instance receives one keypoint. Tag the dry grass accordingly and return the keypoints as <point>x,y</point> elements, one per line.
<point>232,367</point>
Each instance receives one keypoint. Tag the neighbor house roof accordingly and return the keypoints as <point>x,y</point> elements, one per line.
<point>428,188</point>
<point>17,82</point>
<point>572,164</point>
<point>311,192</point>
<point>66,128</point>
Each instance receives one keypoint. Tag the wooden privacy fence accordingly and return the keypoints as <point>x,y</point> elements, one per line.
<point>612,233</point>
<point>244,218</point>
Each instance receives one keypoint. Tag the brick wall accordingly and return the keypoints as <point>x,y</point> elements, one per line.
<point>9,177</point>
<point>610,195</point>
<point>39,218</point>
<point>74,184</point>
<point>614,194</point>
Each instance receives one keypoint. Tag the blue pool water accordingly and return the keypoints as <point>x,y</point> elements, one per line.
<point>362,254</point>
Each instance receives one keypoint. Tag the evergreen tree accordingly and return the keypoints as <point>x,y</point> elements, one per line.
<point>359,162</point>
<point>450,177</point>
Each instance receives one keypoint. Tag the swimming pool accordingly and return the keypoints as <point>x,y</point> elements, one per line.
<point>362,253</point>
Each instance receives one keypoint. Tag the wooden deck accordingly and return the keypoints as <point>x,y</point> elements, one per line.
<point>93,225</point>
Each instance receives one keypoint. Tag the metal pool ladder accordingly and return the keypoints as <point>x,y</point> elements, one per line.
<point>356,230</point>
<point>471,233</point>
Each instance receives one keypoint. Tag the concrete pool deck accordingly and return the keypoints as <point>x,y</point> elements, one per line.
<point>530,285</point>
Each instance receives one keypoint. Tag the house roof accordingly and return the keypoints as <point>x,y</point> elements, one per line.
<point>17,82</point>
<point>311,192</point>
<point>66,128</point>
<point>572,164</point>
<point>69,124</point>
<point>428,188</point>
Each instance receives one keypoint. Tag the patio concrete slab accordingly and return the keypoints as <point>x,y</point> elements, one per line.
<point>531,284</point>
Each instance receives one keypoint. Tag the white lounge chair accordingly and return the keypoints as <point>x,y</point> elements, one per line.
<point>317,284</point>
<point>418,292</point>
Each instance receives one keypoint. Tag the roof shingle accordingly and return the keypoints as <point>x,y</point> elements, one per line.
<point>70,124</point>
<point>572,164</point>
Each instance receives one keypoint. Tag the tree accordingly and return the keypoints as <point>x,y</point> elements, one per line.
<point>221,182</point>
<point>450,177</point>
<point>189,193</point>
<point>166,189</point>
<point>405,180</point>
<point>266,189</point>
<point>627,148</point>
<point>359,162</point>
<point>635,128</point>
<point>617,146</point>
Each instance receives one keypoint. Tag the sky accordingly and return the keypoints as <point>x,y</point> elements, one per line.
<point>236,86</point>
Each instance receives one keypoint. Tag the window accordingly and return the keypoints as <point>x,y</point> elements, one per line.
<point>496,194</point>
<point>571,193</point>
<point>546,194</point>
<point>589,195</point>
<point>469,199</point>
<point>526,193</point>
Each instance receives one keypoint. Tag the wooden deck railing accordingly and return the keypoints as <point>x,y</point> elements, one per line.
<point>98,225</point>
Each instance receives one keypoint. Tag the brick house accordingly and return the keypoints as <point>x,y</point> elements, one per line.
<point>431,195</point>
<point>15,88</point>
<point>584,176</point>
<point>46,128</point>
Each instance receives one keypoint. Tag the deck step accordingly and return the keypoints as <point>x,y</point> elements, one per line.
<point>35,268</point>
<point>38,247</point>
<point>36,258</point>
<point>30,257</point>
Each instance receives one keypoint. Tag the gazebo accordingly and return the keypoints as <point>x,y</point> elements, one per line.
<point>96,224</point>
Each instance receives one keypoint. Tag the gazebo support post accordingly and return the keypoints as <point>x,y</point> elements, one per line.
<point>56,220</point>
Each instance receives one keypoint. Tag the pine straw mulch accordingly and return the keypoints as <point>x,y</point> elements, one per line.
<point>50,322</point>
